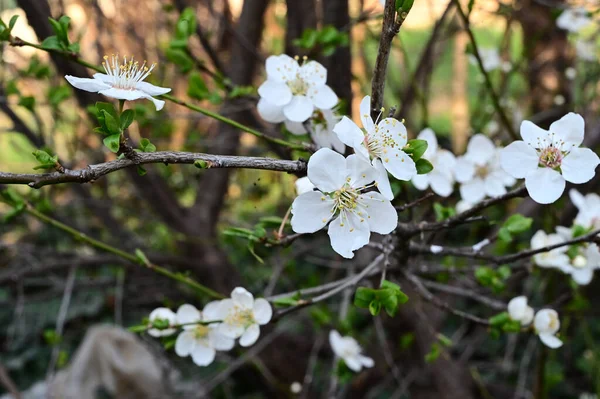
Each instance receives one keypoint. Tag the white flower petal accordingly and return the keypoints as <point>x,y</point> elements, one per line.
<point>517,307</point>
<point>545,185</point>
<point>313,73</point>
<point>347,234</point>
<point>383,180</point>
<point>353,363</point>
<point>230,330</point>
<point>250,335</point>
<point>493,186</point>
<point>464,170</point>
<point>336,342</point>
<point>366,361</point>
<point>360,171</point>
<point>122,94</point>
<point>583,276</point>
<point>281,67</point>
<point>570,129</point>
<point>351,135</point>
<point>399,164</point>
<point>546,321</point>
<point>473,191</point>
<point>533,135</point>
<point>158,104</point>
<point>421,182</point>
<point>150,89</point>
<point>203,355</point>
<point>276,93</point>
<point>577,199</point>
<point>395,129</point>
<point>188,314</point>
<point>327,170</point>
<point>365,114</point>
<point>299,109</point>
<point>518,159</point>
<point>262,311</point>
<point>579,166</point>
<point>303,185</point>
<point>550,341</point>
<point>323,97</point>
<point>311,211</point>
<point>86,84</point>
<point>104,78</point>
<point>219,341</point>
<point>381,215</point>
<point>211,311</point>
<point>269,112</point>
<point>296,128</point>
<point>428,135</point>
<point>527,316</point>
<point>480,149</point>
<point>185,343</point>
<point>242,297</point>
<point>440,183</point>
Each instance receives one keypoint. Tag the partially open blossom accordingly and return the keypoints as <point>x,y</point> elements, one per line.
<point>555,258</point>
<point>382,143</point>
<point>518,310</point>
<point>123,81</point>
<point>548,158</point>
<point>479,171</point>
<point>200,341</point>
<point>162,316</point>
<point>573,19</point>
<point>242,316</point>
<point>441,178</point>
<point>588,207</point>
<point>546,325</point>
<point>293,91</point>
<point>349,351</point>
<point>321,129</point>
<point>341,199</point>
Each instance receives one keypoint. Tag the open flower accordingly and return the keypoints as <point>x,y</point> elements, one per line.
<point>382,142</point>
<point>546,325</point>
<point>163,317</point>
<point>441,178</point>
<point>242,316</point>
<point>122,81</point>
<point>292,91</point>
<point>573,19</point>
<point>555,258</point>
<point>588,207</point>
<point>355,213</point>
<point>479,171</point>
<point>321,129</point>
<point>546,158</point>
<point>200,341</point>
<point>583,262</point>
<point>350,351</point>
<point>518,310</point>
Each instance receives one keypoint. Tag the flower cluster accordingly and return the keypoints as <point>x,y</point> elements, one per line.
<point>215,328</point>
<point>545,322</point>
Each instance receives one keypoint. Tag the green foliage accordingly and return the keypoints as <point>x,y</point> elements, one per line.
<point>5,30</point>
<point>323,41</point>
<point>181,59</point>
<point>127,117</point>
<point>502,322</point>
<point>46,161</point>
<point>404,6</point>
<point>177,52</point>
<point>60,40</point>
<point>493,278</point>
<point>415,148</point>
<point>442,212</point>
<point>197,89</point>
<point>437,348</point>
<point>515,224</point>
<point>423,166</point>
<point>113,142</point>
<point>389,296</point>
<point>58,94</point>
<point>27,102</point>
<point>147,146</point>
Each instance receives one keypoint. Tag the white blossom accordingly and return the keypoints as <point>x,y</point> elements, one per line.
<point>200,341</point>
<point>354,214</point>
<point>588,207</point>
<point>491,60</point>
<point>382,142</point>
<point>548,158</point>
<point>573,19</point>
<point>518,310</point>
<point>303,185</point>
<point>555,258</point>
<point>122,81</point>
<point>164,315</point>
<point>546,325</point>
<point>479,171</point>
<point>321,129</point>
<point>293,91</point>
<point>242,316</point>
<point>349,351</point>
<point>441,178</point>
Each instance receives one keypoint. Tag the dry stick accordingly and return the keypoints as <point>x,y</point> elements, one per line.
<point>122,254</point>
<point>467,293</point>
<point>208,161</point>
<point>391,26</point>
<point>488,81</point>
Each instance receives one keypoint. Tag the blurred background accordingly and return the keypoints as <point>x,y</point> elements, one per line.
<point>54,290</point>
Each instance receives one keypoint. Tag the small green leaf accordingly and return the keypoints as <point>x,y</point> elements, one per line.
<point>27,102</point>
<point>60,31</point>
<point>74,47</point>
<point>127,118</point>
<point>499,320</point>
<point>504,234</point>
<point>197,88</point>
<point>108,107</point>
<point>147,146</point>
<point>113,142</point>
<point>51,43</point>
<point>111,124</point>
<point>442,212</point>
<point>415,148</point>
<point>13,21</point>
<point>375,307</point>
<point>518,223</point>
<point>287,301</point>
<point>423,166</point>
<point>579,231</point>
<point>363,297</point>
<point>141,256</point>
<point>200,164</point>
<point>513,326</point>
<point>141,171</point>
<point>46,160</point>
<point>484,275</point>
<point>181,59</point>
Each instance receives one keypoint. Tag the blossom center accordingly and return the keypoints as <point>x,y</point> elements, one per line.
<point>128,74</point>
<point>201,331</point>
<point>346,198</point>
<point>298,86</point>
<point>579,262</point>
<point>551,157</point>
<point>482,171</point>
<point>240,316</point>
<point>378,144</point>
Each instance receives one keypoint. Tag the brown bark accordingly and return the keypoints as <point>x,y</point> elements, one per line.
<point>301,15</point>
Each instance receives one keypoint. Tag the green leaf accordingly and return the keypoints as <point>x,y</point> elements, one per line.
<point>74,47</point>
<point>513,326</point>
<point>442,212</point>
<point>375,307</point>
<point>405,6</point>
<point>518,223</point>
<point>60,31</point>
<point>499,320</point>
<point>51,43</point>
<point>390,304</point>
<point>27,102</point>
<point>579,231</point>
<point>11,88</point>
<point>415,148</point>
<point>434,353</point>
<point>197,88</point>
<point>111,124</point>
<point>363,297</point>
<point>504,272</point>
<point>287,301</point>
<point>484,275</point>
<point>46,160</point>
<point>127,118</point>
<point>181,29</point>
<point>423,166</point>
<point>189,15</point>
<point>113,142</point>
<point>141,171</point>
<point>504,234</point>
<point>13,21</point>
<point>200,164</point>
<point>58,94</point>
<point>108,107</point>
<point>141,256</point>
<point>181,59</point>
<point>147,146</point>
